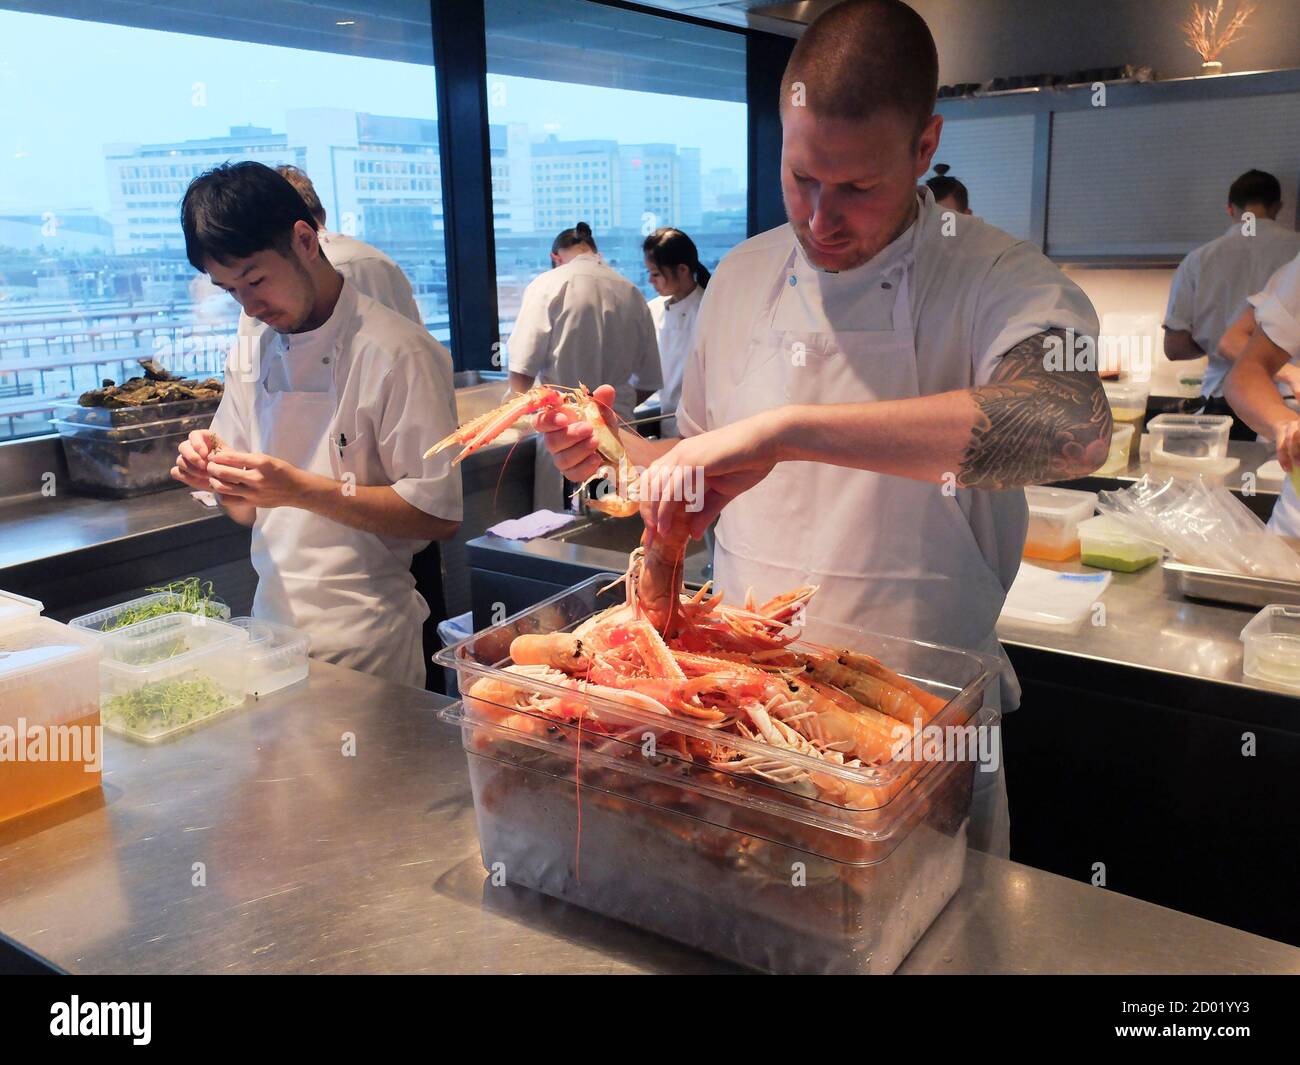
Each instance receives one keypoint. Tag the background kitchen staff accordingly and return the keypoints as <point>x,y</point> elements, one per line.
<point>368,269</point>
<point>1275,343</point>
<point>673,264</point>
<point>318,443</point>
<point>866,395</point>
<point>582,322</point>
<point>1211,284</point>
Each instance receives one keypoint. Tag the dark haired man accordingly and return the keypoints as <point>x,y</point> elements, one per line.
<point>1212,284</point>
<point>872,384</point>
<point>319,440</point>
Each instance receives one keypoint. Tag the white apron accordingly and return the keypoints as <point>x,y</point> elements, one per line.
<point>341,585</point>
<point>892,554</point>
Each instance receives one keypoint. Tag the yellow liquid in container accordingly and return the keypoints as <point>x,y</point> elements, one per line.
<point>1136,417</point>
<point>1277,657</point>
<point>29,784</point>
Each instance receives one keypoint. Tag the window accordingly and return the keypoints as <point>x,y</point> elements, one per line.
<point>103,126</point>
<point>623,120</point>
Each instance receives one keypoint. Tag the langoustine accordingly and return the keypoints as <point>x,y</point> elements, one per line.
<point>733,676</point>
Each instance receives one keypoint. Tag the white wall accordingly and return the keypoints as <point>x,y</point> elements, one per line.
<point>1131,305</point>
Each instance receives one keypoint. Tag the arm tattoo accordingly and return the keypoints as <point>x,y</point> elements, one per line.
<point>1034,424</point>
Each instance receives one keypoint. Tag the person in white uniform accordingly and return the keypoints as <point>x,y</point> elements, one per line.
<point>1275,343</point>
<point>1212,283</point>
<point>673,265</point>
<point>949,193</point>
<point>873,383</point>
<point>582,322</point>
<point>319,441</point>
<point>370,271</point>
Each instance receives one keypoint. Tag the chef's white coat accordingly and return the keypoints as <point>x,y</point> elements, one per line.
<point>370,272</point>
<point>584,323</point>
<point>675,329</point>
<point>384,391</point>
<point>973,295</point>
<point>1212,283</point>
<point>1277,313</point>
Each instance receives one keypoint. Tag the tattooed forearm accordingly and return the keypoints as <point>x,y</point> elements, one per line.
<point>1034,425</point>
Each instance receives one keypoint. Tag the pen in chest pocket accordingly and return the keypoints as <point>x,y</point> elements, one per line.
<point>343,442</point>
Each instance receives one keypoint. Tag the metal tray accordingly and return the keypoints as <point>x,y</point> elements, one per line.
<point>1221,586</point>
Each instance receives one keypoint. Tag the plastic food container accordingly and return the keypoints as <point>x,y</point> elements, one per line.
<point>1128,406</point>
<point>166,674</point>
<point>116,417</point>
<point>18,609</point>
<point>1189,436</point>
<point>49,703</point>
<point>1107,544</point>
<point>1054,517</point>
<point>1121,448</point>
<point>766,872</point>
<point>108,619</point>
<point>1272,646</point>
<point>277,655</point>
<point>126,461</point>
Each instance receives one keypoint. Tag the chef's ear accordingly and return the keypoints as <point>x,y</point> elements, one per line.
<point>306,243</point>
<point>927,143</point>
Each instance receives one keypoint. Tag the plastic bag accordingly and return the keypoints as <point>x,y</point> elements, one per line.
<point>1203,526</point>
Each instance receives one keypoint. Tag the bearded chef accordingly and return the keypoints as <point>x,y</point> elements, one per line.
<point>872,384</point>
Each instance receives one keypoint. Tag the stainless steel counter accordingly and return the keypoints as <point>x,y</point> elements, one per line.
<point>1146,626</point>
<point>315,861</point>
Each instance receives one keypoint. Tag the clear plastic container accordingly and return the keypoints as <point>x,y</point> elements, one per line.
<point>1128,406</point>
<point>49,702</point>
<point>108,619</point>
<point>117,417</point>
<point>1108,544</point>
<point>277,655</point>
<point>768,872</point>
<point>1272,646</point>
<point>125,461</point>
<point>18,609</point>
<point>1121,448</point>
<point>1054,517</point>
<point>166,674</point>
<point>1189,436</point>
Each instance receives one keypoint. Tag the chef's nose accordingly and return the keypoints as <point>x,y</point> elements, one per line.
<point>825,217</point>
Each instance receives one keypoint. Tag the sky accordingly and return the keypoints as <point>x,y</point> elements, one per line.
<point>70,87</point>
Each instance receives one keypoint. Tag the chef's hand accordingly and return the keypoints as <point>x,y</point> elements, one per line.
<point>254,479</point>
<point>571,441</point>
<point>704,473</point>
<point>1287,435</point>
<point>192,458</point>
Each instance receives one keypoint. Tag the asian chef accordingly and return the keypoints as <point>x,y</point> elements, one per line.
<point>872,384</point>
<point>679,279</point>
<point>318,443</point>
<point>582,322</point>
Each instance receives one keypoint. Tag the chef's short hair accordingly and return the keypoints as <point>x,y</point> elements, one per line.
<point>1255,186</point>
<point>861,57</point>
<point>238,209</point>
<point>300,181</point>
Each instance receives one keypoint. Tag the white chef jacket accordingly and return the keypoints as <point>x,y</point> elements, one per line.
<point>1277,313</point>
<point>1212,283</point>
<point>974,295</point>
<point>675,329</point>
<point>371,273</point>
<point>584,323</point>
<point>395,399</point>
